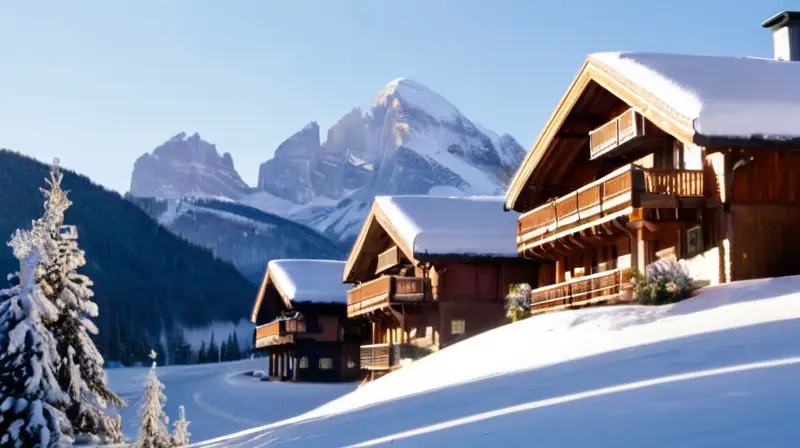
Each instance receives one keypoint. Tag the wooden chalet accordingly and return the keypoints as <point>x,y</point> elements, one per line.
<point>429,272</point>
<point>301,322</point>
<point>652,156</point>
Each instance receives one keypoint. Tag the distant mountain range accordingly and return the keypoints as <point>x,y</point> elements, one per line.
<point>412,141</point>
<point>147,281</point>
<point>239,234</point>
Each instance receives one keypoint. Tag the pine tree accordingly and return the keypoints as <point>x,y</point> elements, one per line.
<point>180,433</point>
<point>31,398</point>
<point>201,354</point>
<point>236,351</point>
<point>81,371</point>
<point>213,350</point>
<point>153,431</point>
<point>223,349</point>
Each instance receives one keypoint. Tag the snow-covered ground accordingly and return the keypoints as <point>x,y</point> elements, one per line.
<point>220,398</point>
<point>720,369</point>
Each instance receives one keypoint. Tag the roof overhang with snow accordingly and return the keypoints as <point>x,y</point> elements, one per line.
<point>432,228</point>
<point>710,101</point>
<point>316,281</point>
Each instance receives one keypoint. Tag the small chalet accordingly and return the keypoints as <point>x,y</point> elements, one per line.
<point>429,272</point>
<point>652,156</point>
<point>301,322</point>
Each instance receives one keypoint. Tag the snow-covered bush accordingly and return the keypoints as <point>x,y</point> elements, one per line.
<point>153,431</point>
<point>259,373</point>
<point>518,302</point>
<point>180,433</point>
<point>664,281</point>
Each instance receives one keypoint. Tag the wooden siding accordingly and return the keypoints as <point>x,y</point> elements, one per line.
<point>283,362</point>
<point>765,213</point>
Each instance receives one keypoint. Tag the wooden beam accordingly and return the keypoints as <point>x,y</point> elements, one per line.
<point>572,135</point>
<point>576,242</point>
<point>592,120</point>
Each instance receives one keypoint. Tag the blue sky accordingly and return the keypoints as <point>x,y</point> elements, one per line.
<point>97,83</point>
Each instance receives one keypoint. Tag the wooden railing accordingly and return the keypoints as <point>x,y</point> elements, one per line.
<point>614,133</point>
<point>384,290</point>
<point>580,291</point>
<point>610,192</point>
<point>375,356</point>
<point>385,356</point>
<point>388,259</point>
<point>281,327</point>
<point>270,329</point>
<point>674,183</point>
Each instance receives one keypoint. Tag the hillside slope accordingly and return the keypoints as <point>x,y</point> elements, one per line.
<point>242,235</point>
<point>146,279</point>
<point>719,369</point>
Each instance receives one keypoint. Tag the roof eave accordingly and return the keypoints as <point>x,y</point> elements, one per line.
<point>754,141</point>
<point>520,178</point>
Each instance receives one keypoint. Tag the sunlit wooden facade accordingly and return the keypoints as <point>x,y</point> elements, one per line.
<point>305,340</point>
<point>413,304</point>
<point>617,180</point>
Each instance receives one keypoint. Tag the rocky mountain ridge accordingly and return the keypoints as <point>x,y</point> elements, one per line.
<point>411,141</point>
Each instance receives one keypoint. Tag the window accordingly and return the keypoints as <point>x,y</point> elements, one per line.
<point>303,364</point>
<point>694,241</point>
<point>325,363</point>
<point>457,326</point>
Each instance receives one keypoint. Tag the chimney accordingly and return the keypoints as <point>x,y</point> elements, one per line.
<point>785,28</point>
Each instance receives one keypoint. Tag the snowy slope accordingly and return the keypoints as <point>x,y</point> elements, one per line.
<point>219,398</point>
<point>717,370</point>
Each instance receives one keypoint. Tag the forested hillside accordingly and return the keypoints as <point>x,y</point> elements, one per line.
<point>146,279</point>
<point>239,234</point>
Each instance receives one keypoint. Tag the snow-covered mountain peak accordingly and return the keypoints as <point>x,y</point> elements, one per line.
<point>405,93</point>
<point>186,165</point>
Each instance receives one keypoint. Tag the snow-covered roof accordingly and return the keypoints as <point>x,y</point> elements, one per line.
<point>309,280</point>
<point>725,97</point>
<point>437,225</point>
<point>720,101</point>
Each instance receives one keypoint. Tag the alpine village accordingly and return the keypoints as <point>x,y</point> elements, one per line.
<point>657,181</point>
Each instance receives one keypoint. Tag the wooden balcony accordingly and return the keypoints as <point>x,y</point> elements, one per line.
<point>628,187</point>
<point>385,290</point>
<point>627,131</point>
<point>601,287</point>
<point>279,332</point>
<point>385,356</point>
<point>388,259</point>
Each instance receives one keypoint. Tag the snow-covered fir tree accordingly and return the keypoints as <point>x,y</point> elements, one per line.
<point>153,431</point>
<point>81,372</point>
<point>31,398</point>
<point>180,433</point>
